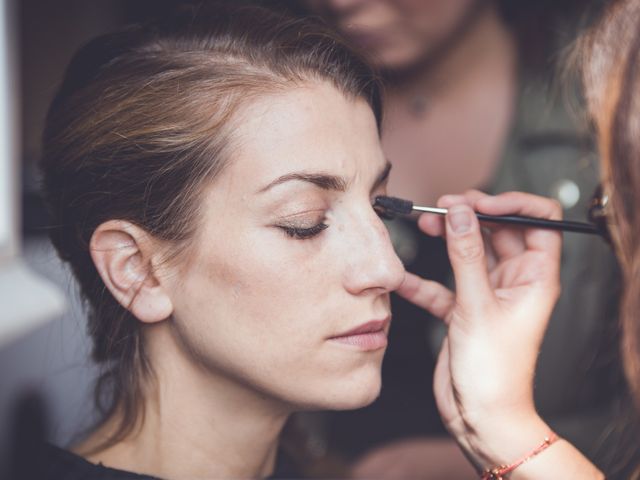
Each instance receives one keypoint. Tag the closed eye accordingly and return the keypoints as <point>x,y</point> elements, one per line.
<point>303,233</point>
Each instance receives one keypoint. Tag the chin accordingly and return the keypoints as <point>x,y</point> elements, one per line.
<point>392,59</point>
<point>362,399</point>
<point>352,393</point>
<point>400,61</point>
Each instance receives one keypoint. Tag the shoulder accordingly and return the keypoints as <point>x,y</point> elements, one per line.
<point>55,463</point>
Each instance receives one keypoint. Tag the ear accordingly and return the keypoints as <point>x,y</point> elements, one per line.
<point>122,253</point>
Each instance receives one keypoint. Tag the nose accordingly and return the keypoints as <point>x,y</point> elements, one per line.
<point>373,265</point>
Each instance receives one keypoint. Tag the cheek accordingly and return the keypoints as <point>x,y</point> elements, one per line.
<point>265,286</point>
<point>255,316</point>
<point>291,287</point>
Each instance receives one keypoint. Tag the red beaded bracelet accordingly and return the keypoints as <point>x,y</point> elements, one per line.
<point>498,473</point>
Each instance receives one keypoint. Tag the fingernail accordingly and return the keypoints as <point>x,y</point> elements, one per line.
<point>459,219</point>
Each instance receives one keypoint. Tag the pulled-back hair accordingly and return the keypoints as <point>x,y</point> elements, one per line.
<point>611,71</point>
<point>143,120</point>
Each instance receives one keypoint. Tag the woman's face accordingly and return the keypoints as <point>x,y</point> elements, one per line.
<point>290,256</point>
<point>397,33</point>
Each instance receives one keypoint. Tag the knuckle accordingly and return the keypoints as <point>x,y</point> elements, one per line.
<point>556,208</point>
<point>469,251</point>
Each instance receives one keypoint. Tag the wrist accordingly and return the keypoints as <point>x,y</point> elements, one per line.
<point>499,472</point>
<point>526,442</point>
<point>501,439</point>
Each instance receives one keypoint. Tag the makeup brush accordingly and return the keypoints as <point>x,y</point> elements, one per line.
<point>399,206</point>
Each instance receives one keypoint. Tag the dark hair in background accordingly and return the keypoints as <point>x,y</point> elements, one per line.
<point>610,59</point>
<point>611,68</point>
<point>142,122</point>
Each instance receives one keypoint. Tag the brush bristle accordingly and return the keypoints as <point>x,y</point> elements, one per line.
<point>394,205</point>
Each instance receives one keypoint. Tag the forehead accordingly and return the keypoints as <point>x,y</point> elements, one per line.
<point>311,127</point>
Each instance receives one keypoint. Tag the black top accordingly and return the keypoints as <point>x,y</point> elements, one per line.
<point>53,463</point>
<point>57,464</point>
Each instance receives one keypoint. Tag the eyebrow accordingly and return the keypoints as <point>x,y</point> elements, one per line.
<point>325,181</point>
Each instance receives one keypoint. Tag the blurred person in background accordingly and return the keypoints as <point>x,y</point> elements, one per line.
<point>471,103</point>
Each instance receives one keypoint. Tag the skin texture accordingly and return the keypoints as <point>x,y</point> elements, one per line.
<point>239,330</point>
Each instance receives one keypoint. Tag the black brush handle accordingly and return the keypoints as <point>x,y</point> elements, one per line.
<point>567,226</point>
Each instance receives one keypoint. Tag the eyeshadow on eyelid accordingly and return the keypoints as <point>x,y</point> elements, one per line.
<point>302,224</point>
<point>295,206</point>
<point>298,217</point>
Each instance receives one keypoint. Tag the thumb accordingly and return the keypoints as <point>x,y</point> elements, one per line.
<point>467,255</point>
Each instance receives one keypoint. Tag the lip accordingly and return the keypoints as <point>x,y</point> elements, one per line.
<point>365,36</point>
<point>366,40</point>
<point>371,335</point>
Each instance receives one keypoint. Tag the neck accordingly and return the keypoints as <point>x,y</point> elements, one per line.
<point>484,43</point>
<point>197,423</point>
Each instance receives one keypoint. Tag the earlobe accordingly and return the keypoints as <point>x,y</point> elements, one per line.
<point>122,253</point>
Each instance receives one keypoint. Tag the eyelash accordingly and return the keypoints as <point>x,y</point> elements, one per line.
<point>307,233</point>
<point>304,233</point>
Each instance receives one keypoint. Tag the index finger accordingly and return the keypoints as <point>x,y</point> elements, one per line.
<point>526,204</point>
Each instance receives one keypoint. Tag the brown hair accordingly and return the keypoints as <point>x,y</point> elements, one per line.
<point>142,121</point>
<point>611,71</point>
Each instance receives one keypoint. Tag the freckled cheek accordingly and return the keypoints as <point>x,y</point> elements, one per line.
<point>267,281</point>
<point>262,286</point>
